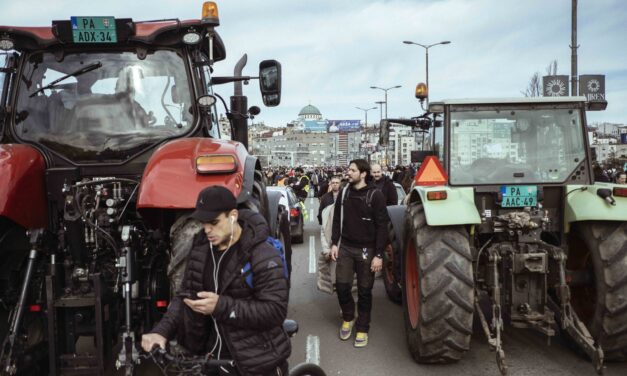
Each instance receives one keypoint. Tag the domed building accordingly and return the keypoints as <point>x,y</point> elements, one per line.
<point>310,112</point>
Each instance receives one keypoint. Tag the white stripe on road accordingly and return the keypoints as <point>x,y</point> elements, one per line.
<point>312,254</point>
<point>311,215</point>
<point>313,350</point>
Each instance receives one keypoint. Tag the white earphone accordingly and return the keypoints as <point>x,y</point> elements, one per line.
<point>216,275</point>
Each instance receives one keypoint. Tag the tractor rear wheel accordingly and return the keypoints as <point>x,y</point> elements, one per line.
<point>605,307</point>
<point>438,289</point>
<point>391,267</point>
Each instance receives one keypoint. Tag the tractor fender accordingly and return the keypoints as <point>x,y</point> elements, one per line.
<point>23,188</point>
<point>249,179</point>
<point>170,180</point>
<point>397,218</point>
<point>583,204</point>
<point>273,209</point>
<point>457,209</point>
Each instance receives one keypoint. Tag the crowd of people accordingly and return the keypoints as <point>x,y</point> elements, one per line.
<point>317,179</point>
<point>609,175</point>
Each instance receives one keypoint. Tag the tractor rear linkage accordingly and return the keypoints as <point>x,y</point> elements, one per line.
<point>568,320</point>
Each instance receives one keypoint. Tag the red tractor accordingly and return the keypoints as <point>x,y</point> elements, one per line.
<point>108,131</point>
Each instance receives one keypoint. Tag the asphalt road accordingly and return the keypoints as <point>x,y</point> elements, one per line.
<point>317,313</point>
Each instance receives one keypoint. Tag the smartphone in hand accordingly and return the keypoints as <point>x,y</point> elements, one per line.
<point>188,294</point>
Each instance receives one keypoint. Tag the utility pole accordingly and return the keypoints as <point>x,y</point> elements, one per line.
<point>573,47</point>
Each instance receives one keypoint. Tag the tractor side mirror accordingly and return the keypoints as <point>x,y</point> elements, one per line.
<point>270,82</point>
<point>384,132</point>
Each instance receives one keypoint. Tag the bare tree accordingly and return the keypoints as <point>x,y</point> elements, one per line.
<point>551,69</point>
<point>534,88</point>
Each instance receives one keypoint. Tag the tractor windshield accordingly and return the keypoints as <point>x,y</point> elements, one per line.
<point>515,146</point>
<point>105,106</point>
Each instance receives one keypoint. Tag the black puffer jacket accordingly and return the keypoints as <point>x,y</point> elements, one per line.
<point>250,319</point>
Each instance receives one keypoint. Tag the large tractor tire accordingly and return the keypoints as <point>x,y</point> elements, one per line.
<point>391,268</point>
<point>182,235</point>
<point>603,304</point>
<point>438,289</point>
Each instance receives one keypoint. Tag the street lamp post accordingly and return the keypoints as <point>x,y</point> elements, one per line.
<point>426,47</point>
<point>380,103</point>
<point>365,110</point>
<point>386,95</point>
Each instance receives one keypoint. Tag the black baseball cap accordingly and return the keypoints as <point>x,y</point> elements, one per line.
<point>212,201</point>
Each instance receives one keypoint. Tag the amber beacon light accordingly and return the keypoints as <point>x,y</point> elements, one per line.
<point>210,13</point>
<point>422,92</point>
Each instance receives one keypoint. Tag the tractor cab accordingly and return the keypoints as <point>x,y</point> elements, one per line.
<point>501,141</point>
<point>93,90</point>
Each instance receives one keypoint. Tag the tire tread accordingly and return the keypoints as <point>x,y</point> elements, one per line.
<point>446,290</point>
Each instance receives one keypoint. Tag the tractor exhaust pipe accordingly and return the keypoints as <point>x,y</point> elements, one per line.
<point>239,106</point>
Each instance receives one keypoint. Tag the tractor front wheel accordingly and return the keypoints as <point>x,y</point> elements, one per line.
<point>391,268</point>
<point>438,289</point>
<point>182,235</point>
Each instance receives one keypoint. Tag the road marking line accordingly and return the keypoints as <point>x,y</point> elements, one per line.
<point>313,350</point>
<point>312,254</point>
<point>311,215</point>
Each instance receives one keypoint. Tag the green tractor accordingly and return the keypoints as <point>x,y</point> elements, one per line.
<point>505,221</point>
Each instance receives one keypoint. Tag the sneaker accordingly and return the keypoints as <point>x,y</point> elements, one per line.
<point>346,329</point>
<point>361,339</point>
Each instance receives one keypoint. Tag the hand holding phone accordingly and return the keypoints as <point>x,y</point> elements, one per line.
<point>187,294</point>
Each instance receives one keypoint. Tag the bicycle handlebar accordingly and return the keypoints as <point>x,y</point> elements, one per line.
<point>160,355</point>
<point>191,363</point>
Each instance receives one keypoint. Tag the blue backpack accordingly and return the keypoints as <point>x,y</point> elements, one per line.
<point>278,247</point>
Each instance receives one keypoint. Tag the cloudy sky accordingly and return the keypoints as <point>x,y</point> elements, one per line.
<point>332,51</point>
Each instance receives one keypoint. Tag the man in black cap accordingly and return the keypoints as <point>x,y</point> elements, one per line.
<point>216,311</point>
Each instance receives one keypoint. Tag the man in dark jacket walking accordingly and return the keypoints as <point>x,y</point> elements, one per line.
<point>384,184</point>
<point>360,230</point>
<point>216,311</point>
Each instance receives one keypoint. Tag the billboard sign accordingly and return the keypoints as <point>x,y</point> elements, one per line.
<point>334,126</point>
<point>592,86</point>
<point>315,125</point>
<point>555,86</point>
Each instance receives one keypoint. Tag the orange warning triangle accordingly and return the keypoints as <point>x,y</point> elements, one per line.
<point>431,172</point>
